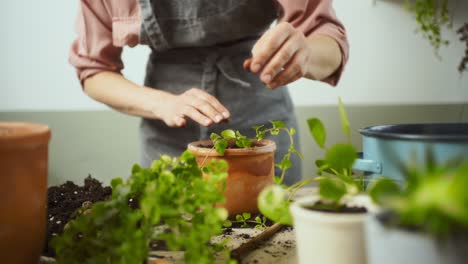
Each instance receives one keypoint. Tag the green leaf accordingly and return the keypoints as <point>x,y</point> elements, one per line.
<point>239,218</point>
<point>214,137</point>
<point>260,135</point>
<point>228,134</point>
<point>227,223</point>
<point>221,146</point>
<point>344,119</point>
<point>277,180</point>
<point>322,166</point>
<point>285,164</point>
<point>116,182</point>
<point>341,156</point>
<point>278,124</point>
<point>246,216</point>
<point>257,128</point>
<point>274,131</point>
<point>332,189</point>
<point>258,220</point>
<point>383,189</point>
<point>273,204</point>
<point>317,130</point>
<point>292,131</point>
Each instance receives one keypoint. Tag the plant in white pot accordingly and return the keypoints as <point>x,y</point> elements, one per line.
<point>329,223</point>
<point>426,219</point>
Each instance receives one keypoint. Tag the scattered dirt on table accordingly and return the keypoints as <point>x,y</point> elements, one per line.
<point>227,231</point>
<point>64,200</point>
<point>244,236</point>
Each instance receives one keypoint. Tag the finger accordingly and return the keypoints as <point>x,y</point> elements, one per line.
<point>277,84</point>
<point>292,70</point>
<point>204,107</point>
<point>281,58</point>
<point>196,116</point>
<point>176,121</point>
<point>213,101</point>
<point>268,44</point>
<point>179,121</point>
<point>247,64</point>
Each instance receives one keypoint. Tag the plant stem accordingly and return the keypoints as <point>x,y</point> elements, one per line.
<point>206,157</point>
<point>298,185</point>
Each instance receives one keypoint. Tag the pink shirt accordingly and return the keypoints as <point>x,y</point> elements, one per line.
<point>106,26</point>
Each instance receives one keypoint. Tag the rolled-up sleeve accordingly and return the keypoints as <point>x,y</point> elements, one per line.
<point>317,17</point>
<point>93,50</point>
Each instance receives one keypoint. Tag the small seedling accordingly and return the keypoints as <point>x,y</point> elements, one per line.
<point>244,220</point>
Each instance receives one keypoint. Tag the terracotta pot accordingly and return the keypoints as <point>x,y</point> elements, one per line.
<point>250,170</point>
<point>23,191</point>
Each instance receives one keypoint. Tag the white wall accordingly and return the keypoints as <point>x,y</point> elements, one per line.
<point>389,63</point>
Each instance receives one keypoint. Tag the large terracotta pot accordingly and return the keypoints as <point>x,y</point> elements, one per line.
<point>23,191</point>
<point>250,170</point>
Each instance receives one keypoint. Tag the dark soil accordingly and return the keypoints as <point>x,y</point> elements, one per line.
<point>232,145</point>
<point>322,207</point>
<point>64,200</point>
<point>158,245</point>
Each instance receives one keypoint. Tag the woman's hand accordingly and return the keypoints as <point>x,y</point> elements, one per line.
<point>114,90</point>
<point>284,54</point>
<point>195,104</point>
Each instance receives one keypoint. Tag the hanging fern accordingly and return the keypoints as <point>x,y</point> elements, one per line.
<point>432,16</point>
<point>463,33</point>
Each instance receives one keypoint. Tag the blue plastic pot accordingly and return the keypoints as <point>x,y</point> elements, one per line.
<point>388,148</point>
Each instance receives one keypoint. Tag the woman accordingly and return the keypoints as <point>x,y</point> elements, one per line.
<point>211,61</point>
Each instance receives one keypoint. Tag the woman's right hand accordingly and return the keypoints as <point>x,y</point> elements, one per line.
<point>114,90</point>
<point>195,104</point>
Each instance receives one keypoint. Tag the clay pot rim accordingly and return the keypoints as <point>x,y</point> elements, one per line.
<point>23,134</point>
<point>268,146</point>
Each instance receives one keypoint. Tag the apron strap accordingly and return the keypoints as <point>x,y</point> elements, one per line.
<point>151,32</point>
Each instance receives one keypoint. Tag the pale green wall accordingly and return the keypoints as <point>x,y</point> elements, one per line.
<point>105,143</point>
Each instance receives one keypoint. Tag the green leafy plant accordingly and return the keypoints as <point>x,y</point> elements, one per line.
<point>245,220</point>
<point>335,180</point>
<point>222,141</point>
<point>433,199</point>
<point>463,36</point>
<point>432,16</point>
<point>171,193</point>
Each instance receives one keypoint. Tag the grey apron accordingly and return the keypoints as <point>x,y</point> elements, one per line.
<point>202,44</point>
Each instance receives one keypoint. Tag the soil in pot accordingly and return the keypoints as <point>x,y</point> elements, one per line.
<point>63,202</point>
<point>231,145</point>
<point>323,207</point>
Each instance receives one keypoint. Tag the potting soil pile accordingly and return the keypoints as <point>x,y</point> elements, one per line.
<point>63,202</point>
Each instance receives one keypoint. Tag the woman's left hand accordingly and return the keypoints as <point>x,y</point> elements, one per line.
<point>280,56</point>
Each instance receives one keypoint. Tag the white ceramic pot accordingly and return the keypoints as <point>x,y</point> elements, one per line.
<point>330,238</point>
<point>389,245</point>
